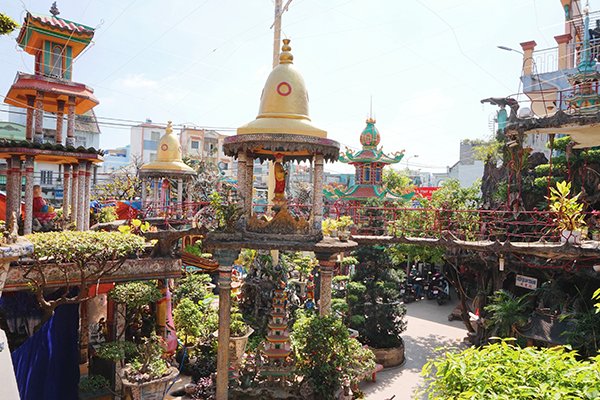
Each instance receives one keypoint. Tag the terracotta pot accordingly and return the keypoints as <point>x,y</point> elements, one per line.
<point>151,390</point>
<point>389,357</point>
<point>237,347</point>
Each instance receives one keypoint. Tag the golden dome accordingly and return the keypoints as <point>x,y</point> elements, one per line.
<point>284,102</point>
<point>168,157</point>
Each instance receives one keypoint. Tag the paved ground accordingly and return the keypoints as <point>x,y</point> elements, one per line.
<point>428,329</point>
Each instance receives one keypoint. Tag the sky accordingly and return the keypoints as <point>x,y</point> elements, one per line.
<point>426,64</point>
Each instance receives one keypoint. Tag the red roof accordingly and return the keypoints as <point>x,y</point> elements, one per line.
<point>62,24</point>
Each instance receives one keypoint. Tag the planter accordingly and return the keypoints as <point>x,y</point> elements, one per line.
<point>343,236</point>
<point>237,348</point>
<point>206,264</point>
<point>389,357</point>
<point>151,390</point>
<point>573,237</point>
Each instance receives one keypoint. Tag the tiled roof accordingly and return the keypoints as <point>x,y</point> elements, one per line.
<point>62,24</point>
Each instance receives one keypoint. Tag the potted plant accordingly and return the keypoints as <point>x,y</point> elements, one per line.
<point>375,305</point>
<point>569,212</point>
<point>238,337</point>
<point>192,254</point>
<point>188,318</point>
<point>343,224</point>
<point>94,387</point>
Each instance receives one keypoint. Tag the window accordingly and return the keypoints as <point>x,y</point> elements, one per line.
<point>152,157</point>
<point>195,144</point>
<point>367,174</point>
<point>378,175</point>
<point>155,136</point>
<point>150,145</point>
<point>56,61</point>
<point>46,177</point>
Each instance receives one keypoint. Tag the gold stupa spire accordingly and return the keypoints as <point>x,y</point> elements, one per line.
<point>284,102</point>
<point>168,156</point>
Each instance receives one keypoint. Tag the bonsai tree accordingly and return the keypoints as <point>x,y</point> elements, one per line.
<point>80,259</point>
<point>374,299</point>
<point>137,297</point>
<point>187,317</point>
<point>195,287</point>
<point>326,355</point>
<point>506,311</point>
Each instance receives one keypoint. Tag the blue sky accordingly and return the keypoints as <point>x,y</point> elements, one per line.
<point>426,63</point>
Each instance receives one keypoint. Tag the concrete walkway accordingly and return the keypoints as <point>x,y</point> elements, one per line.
<point>428,329</point>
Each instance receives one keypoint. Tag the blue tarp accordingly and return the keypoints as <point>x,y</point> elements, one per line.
<point>47,364</point>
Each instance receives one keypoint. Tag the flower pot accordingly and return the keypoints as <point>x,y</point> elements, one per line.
<point>573,237</point>
<point>343,236</point>
<point>151,390</point>
<point>237,348</point>
<point>389,357</point>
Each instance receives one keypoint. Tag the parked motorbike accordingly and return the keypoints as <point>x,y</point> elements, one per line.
<point>408,292</point>
<point>439,289</point>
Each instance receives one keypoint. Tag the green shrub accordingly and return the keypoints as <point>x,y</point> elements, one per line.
<point>93,383</point>
<point>503,371</point>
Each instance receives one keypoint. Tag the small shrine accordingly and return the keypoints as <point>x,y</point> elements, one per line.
<point>369,163</point>
<point>278,365</point>
<point>54,42</point>
<point>166,173</point>
<point>585,99</point>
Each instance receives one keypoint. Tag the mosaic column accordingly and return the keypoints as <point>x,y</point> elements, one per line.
<point>224,331</point>
<point>66,191</point>
<point>74,193</point>
<point>16,189</point>
<point>60,104</point>
<point>144,194</point>
<point>9,185</point>
<point>180,197</point>
<point>155,195</point>
<point>326,268</point>
<point>29,120</point>
<point>81,195</point>
<point>28,223</point>
<point>241,179</point>
<point>249,178</point>
<point>87,190</point>
<point>71,122</point>
<point>38,137</point>
<point>318,193</point>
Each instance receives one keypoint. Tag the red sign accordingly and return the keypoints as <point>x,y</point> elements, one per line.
<point>426,191</point>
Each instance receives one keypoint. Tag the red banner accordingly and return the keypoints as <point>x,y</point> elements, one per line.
<point>426,191</point>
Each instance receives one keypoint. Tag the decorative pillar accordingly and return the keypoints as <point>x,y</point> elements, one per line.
<point>38,137</point>
<point>565,60</point>
<point>16,186</point>
<point>155,195</point>
<point>317,203</point>
<point>326,268</point>
<point>74,193</point>
<point>144,193</point>
<point>66,191</point>
<point>9,187</point>
<point>81,194</point>
<point>28,223</point>
<point>87,190</point>
<point>241,180</point>
<point>71,122</point>
<point>224,331</point>
<point>180,197</point>
<point>528,48</point>
<point>249,179</point>
<point>60,105</point>
<point>29,121</point>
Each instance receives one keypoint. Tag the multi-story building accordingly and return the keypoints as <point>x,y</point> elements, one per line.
<point>144,140</point>
<point>206,145</point>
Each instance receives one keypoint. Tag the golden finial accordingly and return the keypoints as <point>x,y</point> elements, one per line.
<point>169,127</point>
<point>286,57</point>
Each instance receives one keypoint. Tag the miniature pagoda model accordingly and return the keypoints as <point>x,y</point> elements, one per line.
<point>585,99</point>
<point>54,42</point>
<point>167,167</point>
<point>369,163</point>
<point>282,132</point>
<point>278,364</point>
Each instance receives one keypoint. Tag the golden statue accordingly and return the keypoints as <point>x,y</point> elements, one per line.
<point>280,175</point>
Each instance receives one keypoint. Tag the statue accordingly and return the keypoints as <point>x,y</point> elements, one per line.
<point>280,175</point>
<point>41,211</point>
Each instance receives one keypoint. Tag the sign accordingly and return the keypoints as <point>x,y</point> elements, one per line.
<point>426,191</point>
<point>526,282</point>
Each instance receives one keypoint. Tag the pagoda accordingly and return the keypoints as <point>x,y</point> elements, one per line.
<point>585,99</point>
<point>278,365</point>
<point>54,42</point>
<point>369,163</point>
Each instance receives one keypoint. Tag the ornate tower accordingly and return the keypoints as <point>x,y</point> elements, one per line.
<point>369,163</point>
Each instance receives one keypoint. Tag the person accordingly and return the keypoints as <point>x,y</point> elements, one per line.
<point>41,211</point>
<point>414,277</point>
